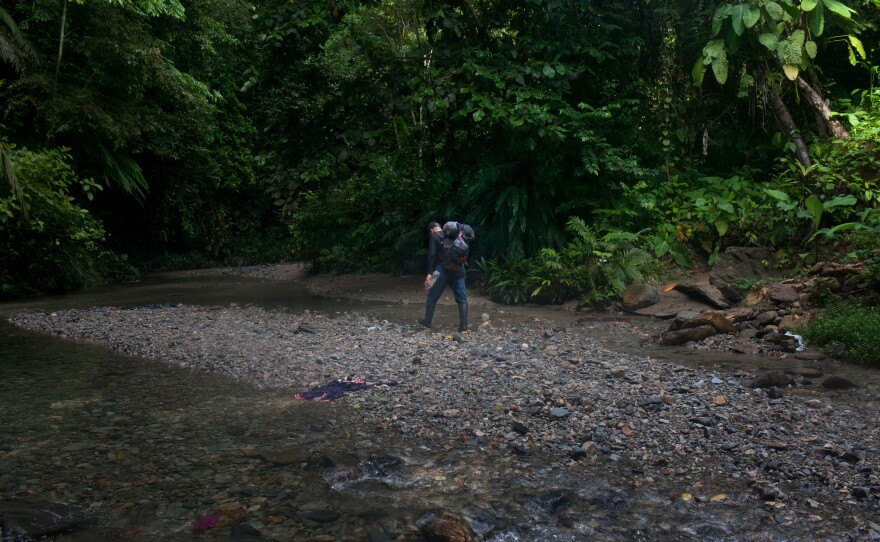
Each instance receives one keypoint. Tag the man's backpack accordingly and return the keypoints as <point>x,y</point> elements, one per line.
<point>456,245</point>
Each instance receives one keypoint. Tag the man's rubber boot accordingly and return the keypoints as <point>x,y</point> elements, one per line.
<point>429,314</point>
<point>462,316</point>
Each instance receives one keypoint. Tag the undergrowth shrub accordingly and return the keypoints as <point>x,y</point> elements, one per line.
<point>48,240</point>
<point>850,327</point>
<point>594,266</point>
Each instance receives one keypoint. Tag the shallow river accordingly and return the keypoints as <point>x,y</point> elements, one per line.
<point>155,452</point>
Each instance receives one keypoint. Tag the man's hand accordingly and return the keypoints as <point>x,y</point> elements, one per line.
<point>427,280</point>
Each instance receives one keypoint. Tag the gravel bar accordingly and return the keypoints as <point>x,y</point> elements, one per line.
<point>529,389</point>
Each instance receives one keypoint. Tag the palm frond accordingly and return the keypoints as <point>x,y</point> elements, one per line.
<point>14,48</point>
<point>121,170</point>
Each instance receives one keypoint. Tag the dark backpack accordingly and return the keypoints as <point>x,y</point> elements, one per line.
<point>456,245</point>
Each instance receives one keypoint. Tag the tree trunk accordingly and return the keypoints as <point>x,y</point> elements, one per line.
<point>818,104</point>
<point>61,40</point>
<point>788,127</point>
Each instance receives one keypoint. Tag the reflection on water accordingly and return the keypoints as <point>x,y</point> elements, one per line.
<point>152,450</point>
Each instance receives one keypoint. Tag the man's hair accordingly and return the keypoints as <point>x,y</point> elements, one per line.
<point>432,225</point>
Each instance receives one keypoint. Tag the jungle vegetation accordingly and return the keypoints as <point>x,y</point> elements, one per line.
<point>587,141</point>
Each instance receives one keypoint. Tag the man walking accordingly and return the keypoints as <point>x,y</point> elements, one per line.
<point>450,272</point>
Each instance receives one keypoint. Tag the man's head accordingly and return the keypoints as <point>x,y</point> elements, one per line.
<point>433,227</point>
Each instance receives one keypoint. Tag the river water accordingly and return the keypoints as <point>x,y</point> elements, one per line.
<point>155,452</point>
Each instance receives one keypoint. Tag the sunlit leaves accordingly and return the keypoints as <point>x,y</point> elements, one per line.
<point>750,16</point>
<point>838,8</point>
<point>713,55</point>
<point>718,19</point>
<point>774,11</point>
<point>736,19</point>
<point>856,47</point>
<point>816,20</point>
<point>811,49</point>
<point>768,40</point>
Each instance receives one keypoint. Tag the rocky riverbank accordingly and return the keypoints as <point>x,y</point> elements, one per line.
<point>804,453</point>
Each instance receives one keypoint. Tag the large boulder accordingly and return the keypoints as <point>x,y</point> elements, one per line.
<point>682,336</point>
<point>673,302</point>
<point>753,263</point>
<point>639,296</point>
<point>714,319</point>
<point>706,293</point>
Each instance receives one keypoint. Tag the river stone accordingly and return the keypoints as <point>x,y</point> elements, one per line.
<point>445,527</point>
<point>768,380</point>
<point>639,296</point>
<point>38,519</point>
<point>810,355</point>
<point>766,317</point>
<point>753,263</point>
<point>683,317</point>
<point>558,412</point>
<point>672,303</point>
<point>320,516</point>
<point>782,293</point>
<point>748,333</point>
<point>790,322</point>
<point>705,292</point>
<point>674,338</point>
<point>838,383</point>
<point>806,372</point>
<point>714,319</point>
<point>287,456</point>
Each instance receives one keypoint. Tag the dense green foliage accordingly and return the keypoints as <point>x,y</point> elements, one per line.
<point>203,132</point>
<point>850,330</point>
<point>593,266</point>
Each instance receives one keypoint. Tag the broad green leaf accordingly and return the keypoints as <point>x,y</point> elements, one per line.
<point>840,201</point>
<point>478,114</point>
<point>719,68</point>
<point>816,20</point>
<point>777,194</point>
<point>718,19</point>
<point>857,45</point>
<point>722,226</point>
<point>698,72</point>
<point>736,19</point>
<point>713,49</point>
<point>797,39</point>
<point>549,72</point>
<point>852,57</point>
<point>791,71</point>
<point>814,208</point>
<point>774,11</point>
<point>811,49</point>
<point>808,5</point>
<point>751,16</point>
<point>790,50</point>
<point>768,40</point>
<point>840,9</point>
<point>725,206</point>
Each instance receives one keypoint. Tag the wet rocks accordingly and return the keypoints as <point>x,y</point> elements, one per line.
<point>446,527</point>
<point>639,296</point>
<point>691,334</point>
<point>33,520</point>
